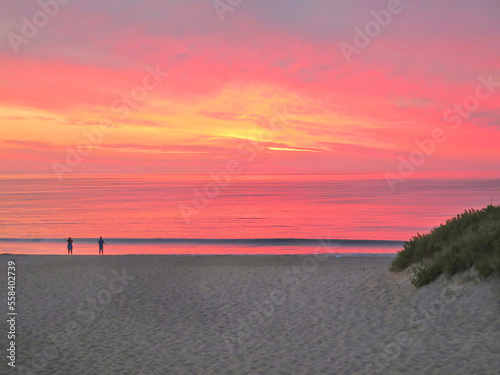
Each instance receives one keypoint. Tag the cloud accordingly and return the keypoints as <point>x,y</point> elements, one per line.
<point>168,149</point>
<point>29,144</point>
<point>226,77</point>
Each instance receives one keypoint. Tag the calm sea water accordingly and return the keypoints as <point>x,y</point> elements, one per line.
<point>129,209</point>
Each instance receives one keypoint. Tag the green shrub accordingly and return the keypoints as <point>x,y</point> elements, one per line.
<point>472,238</point>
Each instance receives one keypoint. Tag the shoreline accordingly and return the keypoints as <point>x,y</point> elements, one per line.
<point>332,255</point>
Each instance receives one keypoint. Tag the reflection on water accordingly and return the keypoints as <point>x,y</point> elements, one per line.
<point>313,206</point>
<point>121,249</point>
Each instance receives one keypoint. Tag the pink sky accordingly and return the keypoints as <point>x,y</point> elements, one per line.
<point>269,77</point>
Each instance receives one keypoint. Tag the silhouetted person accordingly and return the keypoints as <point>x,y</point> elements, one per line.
<point>101,246</point>
<point>70,245</point>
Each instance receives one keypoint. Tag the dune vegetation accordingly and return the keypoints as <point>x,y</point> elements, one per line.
<point>471,239</point>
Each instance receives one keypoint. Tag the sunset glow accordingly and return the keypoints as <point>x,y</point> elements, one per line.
<point>270,74</point>
<point>250,186</point>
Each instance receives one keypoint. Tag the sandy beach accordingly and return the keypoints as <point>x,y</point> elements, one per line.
<point>247,315</point>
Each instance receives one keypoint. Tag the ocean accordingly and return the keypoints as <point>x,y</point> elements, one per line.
<point>238,214</point>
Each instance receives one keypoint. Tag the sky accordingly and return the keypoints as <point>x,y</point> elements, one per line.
<point>177,86</point>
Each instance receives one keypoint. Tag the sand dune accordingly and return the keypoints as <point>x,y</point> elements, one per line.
<point>249,315</point>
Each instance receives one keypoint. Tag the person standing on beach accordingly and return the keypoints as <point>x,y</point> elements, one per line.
<point>70,246</point>
<point>101,246</point>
